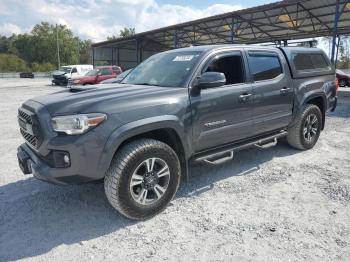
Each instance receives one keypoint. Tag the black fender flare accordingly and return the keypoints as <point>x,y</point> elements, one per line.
<point>131,129</point>
<point>304,101</point>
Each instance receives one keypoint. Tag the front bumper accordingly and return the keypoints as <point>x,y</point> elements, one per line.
<point>31,162</point>
<point>60,81</point>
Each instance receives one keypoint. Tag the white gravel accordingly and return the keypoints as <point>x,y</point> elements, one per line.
<point>277,204</point>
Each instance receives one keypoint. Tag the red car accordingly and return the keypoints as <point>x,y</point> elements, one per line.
<point>343,78</point>
<point>99,74</point>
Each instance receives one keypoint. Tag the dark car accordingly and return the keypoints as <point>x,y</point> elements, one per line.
<point>343,78</point>
<point>118,78</point>
<point>98,75</point>
<point>177,107</point>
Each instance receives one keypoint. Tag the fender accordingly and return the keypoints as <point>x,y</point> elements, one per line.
<point>131,129</point>
<point>303,100</point>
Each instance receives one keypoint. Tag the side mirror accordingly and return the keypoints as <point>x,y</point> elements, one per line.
<point>211,79</point>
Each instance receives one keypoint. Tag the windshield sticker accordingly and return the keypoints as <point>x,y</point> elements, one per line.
<point>183,58</point>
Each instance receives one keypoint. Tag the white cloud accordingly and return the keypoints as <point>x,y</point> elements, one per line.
<point>9,29</point>
<point>97,19</point>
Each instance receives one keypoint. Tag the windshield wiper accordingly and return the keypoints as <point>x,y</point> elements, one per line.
<point>146,84</point>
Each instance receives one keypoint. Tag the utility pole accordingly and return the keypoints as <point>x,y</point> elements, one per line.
<point>58,48</point>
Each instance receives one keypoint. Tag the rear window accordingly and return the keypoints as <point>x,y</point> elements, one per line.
<point>264,66</point>
<point>106,71</point>
<point>304,61</point>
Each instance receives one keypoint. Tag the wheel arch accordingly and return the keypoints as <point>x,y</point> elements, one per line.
<point>321,102</point>
<point>166,129</point>
<point>319,99</point>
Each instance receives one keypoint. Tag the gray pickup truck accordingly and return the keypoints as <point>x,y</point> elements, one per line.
<point>192,104</point>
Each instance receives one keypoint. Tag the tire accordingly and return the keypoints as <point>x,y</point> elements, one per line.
<point>296,134</point>
<point>130,199</point>
<point>342,83</point>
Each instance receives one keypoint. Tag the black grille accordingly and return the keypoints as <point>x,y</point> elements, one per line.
<point>25,116</point>
<point>59,77</point>
<point>30,138</point>
<point>29,127</point>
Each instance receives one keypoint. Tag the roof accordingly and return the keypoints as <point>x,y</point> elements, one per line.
<point>284,20</point>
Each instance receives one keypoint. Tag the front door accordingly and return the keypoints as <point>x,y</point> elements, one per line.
<point>223,114</point>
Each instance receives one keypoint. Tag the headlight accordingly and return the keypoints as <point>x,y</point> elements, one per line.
<point>76,124</point>
<point>76,81</point>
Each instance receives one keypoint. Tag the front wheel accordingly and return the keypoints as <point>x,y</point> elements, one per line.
<point>143,178</point>
<point>306,131</point>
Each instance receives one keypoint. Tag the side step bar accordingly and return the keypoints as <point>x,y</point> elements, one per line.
<point>226,154</point>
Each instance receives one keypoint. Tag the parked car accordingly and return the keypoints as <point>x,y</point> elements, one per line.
<point>185,105</point>
<point>117,79</point>
<point>61,76</point>
<point>99,74</point>
<point>343,78</point>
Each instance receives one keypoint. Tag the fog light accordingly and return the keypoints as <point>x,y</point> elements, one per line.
<point>61,159</point>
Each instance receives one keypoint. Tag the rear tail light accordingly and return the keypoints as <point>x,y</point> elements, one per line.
<point>337,83</point>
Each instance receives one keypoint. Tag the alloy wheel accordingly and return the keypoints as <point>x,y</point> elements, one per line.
<point>150,181</point>
<point>310,127</point>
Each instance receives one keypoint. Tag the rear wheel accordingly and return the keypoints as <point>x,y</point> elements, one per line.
<point>342,83</point>
<point>143,178</point>
<point>306,131</point>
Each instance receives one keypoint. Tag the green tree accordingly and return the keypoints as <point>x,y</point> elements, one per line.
<point>85,52</point>
<point>125,32</point>
<point>38,49</point>
<point>11,63</point>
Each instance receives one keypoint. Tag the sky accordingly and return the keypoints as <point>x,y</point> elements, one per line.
<point>97,19</point>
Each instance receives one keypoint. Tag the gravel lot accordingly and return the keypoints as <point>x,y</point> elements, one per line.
<point>277,204</point>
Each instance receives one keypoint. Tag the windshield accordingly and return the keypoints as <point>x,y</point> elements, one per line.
<point>66,69</point>
<point>169,69</point>
<point>92,72</point>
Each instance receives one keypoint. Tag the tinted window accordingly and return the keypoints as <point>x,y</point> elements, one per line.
<point>304,61</point>
<point>264,66</point>
<point>230,65</point>
<point>92,72</point>
<point>74,70</point>
<point>105,71</point>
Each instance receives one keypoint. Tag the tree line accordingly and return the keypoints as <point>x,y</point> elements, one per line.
<point>37,51</point>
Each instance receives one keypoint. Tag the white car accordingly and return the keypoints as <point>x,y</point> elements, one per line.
<point>61,76</point>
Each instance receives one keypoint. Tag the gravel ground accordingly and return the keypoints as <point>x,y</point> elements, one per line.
<point>277,204</point>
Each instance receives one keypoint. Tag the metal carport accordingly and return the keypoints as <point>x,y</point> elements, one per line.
<point>280,21</point>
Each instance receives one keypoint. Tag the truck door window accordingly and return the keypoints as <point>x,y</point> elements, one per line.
<point>105,71</point>
<point>230,65</point>
<point>264,65</point>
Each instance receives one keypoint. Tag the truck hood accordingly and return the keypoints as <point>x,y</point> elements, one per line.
<point>103,98</point>
<point>58,73</point>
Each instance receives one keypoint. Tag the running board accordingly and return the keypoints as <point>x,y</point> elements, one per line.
<point>267,145</point>
<point>219,160</point>
<point>265,142</point>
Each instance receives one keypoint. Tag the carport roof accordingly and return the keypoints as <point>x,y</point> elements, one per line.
<point>284,20</point>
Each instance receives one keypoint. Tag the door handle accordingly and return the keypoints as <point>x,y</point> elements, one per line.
<point>244,97</point>
<point>284,90</point>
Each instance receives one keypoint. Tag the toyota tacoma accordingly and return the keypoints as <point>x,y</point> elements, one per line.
<point>177,107</point>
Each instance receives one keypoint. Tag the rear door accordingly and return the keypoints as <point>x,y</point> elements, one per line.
<point>272,90</point>
<point>222,114</point>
